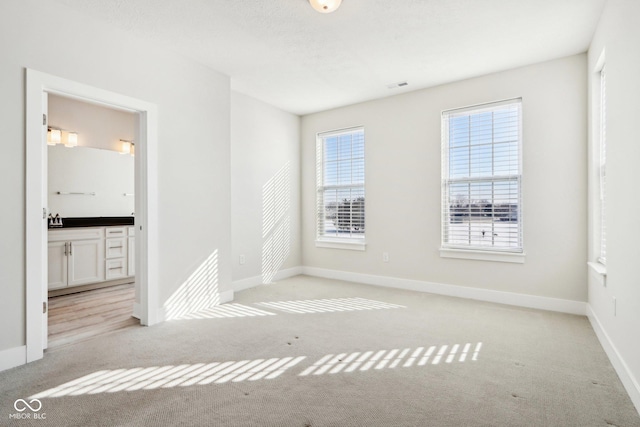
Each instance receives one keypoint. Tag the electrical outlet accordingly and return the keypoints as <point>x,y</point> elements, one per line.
<point>385,256</point>
<point>615,306</point>
<point>242,259</point>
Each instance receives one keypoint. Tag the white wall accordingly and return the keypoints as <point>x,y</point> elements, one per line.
<point>193,141</point>
<point>265,189</point>
<point>96,126</point>
<point>403,183</point>
<point>618,34</point>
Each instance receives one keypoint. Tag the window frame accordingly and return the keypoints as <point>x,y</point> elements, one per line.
<point>602,164</point>
<point>357,243</point>
<point>597,227</point>
<point>477,252</point>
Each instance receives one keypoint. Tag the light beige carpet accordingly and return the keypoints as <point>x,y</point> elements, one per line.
<point>315,352</point>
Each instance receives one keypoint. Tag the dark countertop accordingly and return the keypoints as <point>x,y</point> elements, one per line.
<point>95,221</point>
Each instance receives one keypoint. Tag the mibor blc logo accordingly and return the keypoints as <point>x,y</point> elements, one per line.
<point>33,405</point>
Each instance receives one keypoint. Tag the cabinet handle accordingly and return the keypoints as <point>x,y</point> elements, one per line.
<point>115,232</point>
<point>65,248</point>
<point>70,248</point>
<point>116,268</point>
<point>115,247</point>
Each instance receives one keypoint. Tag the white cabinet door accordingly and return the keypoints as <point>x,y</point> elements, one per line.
<point>131,259</point>
<point>57,265</point>
<point>86,262</point>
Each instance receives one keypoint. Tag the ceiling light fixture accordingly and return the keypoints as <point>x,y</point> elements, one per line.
<point>325,6</point>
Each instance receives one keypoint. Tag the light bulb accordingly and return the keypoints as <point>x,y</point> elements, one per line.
<point>72,140</point>
<point>55,137</point>
<point>126,147</point>
<point>325,6</point>
<point>49,140</point>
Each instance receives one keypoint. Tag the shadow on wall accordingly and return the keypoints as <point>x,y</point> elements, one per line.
<point>198,292</point>
<point>276,219</point>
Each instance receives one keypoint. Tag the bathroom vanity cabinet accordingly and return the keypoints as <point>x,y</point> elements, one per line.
<point>89,255</point>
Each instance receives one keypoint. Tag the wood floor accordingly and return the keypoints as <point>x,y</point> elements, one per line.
<point>83,315</point>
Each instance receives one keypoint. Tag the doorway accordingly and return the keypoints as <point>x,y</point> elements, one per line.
<point>38,86</point>
<point>91,237</point>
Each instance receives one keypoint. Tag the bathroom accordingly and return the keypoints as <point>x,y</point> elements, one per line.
<point>91,203</point>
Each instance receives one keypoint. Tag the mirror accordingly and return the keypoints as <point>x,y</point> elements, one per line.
<point>90,182</point>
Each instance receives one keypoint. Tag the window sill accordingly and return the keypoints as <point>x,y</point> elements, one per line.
<point>342,244</point>
<point>599,272</point>
<point>517,258</point>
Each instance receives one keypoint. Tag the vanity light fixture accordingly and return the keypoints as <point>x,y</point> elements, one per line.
<point>127,147</point>
<point>72,140</point>
<point>60,136</point>
<point>325,6</point>
<point>54,136</point>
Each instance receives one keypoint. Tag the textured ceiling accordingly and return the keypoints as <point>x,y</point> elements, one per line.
<point>286,54</point>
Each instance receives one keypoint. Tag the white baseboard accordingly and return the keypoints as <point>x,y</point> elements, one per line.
<point>252,282</point>
<point>628,380</point>
<point>13,357</point>
<point>509,298</point>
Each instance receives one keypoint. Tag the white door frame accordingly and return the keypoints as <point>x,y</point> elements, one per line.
<point>38,84</point>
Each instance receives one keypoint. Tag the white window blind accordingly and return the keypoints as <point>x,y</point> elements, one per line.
<point>603,167</point>
<point>340,185</point>
<point>481,177</point>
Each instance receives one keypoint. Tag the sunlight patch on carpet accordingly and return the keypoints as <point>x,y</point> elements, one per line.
<point>163,377</point>
<point>226,310</point>
<point>329,305</point>
<point>170,376</point>
<point>390,359</point>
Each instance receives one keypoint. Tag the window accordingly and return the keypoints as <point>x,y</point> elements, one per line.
<point>481,178</point>
<point>603,167</point>
<point>340,189</point>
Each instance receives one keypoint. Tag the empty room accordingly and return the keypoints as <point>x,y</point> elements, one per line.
<point>320,213</point>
